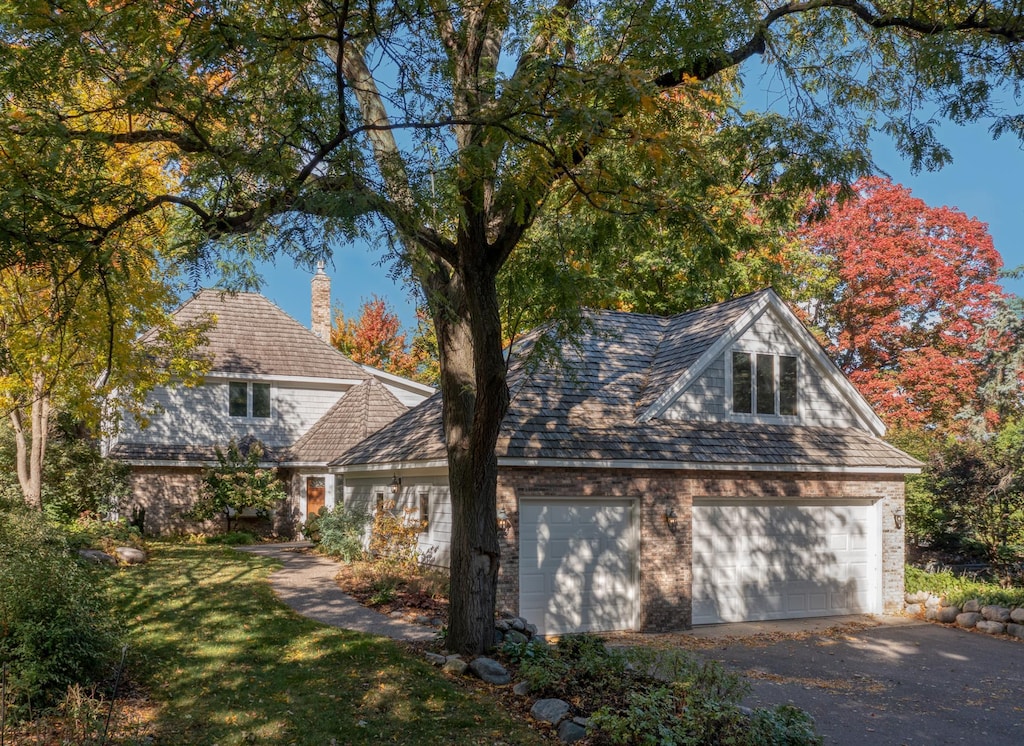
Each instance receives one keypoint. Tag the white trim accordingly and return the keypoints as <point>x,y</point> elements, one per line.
<point>400,381</point>
<point>337,382</point>
<point>701,466</point>
<point>373,468</point>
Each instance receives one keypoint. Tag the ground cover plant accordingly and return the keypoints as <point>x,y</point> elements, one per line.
<point>225,662</point>
<point>638,696</point>
<point>958,589</point>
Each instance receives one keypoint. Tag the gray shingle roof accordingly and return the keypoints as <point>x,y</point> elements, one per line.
<point>364,409</point>
<point>587,408</point>
<point>252,335</point>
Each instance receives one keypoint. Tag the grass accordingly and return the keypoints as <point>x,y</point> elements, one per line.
<point>224,662</point>
<point>959,589</point>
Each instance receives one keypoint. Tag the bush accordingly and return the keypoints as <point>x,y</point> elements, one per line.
<point>958,589</point>
<point>338,532</point>
<point>639,696</point>
<point>89,532</point>
<point>394,539</point>
<point>55,630</point>
<point>233,539</point>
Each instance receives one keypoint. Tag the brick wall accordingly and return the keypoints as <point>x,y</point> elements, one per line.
<point>665,554</point>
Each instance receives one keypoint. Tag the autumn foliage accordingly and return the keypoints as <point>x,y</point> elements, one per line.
<point>912,288</point>
<point>374,338</point>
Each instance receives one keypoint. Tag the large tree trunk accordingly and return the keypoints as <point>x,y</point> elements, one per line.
<point>30,448</point>
<point>475,401</point>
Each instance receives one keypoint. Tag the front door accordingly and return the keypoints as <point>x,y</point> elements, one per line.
<point>316,493</point>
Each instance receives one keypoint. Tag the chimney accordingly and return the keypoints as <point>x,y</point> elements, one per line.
<point>321,315</point>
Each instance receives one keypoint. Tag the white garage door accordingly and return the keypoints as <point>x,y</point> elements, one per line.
<point>577,565</point>
<point>757,562</point>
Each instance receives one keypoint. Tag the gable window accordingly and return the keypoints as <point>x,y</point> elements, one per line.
<point>764,384</point>
<point>248,399</point>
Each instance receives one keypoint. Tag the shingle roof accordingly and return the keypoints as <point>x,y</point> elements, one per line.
<point>252,335</point>
<point>364,409</point>
<point>186,455</point>
<point>587,408</point>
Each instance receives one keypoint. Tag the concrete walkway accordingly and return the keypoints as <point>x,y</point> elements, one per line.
<point>306,584</point>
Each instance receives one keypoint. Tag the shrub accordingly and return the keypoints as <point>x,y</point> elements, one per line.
<point>394,539</point>
<point>958,589</point>
<point>237,482</point>
<point>55,630</point>
<point>88,531</point>
<point>338,532</point>
<point>639,696</point>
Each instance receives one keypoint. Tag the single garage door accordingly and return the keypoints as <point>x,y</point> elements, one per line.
<point>577,565</point>
<point>784,561</point>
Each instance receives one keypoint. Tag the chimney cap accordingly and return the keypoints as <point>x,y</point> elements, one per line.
<point>320,267</point>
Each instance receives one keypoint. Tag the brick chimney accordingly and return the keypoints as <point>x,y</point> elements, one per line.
<point>321,315</point>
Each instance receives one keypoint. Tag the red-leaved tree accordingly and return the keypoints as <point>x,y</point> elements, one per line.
<point>374,338</point>
<point>911,292</point>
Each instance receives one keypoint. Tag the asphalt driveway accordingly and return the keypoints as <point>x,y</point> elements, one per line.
<point>890,685</point>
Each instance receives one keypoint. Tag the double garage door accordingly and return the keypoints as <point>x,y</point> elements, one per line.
<point>784,561</point>
<point>579,562</point>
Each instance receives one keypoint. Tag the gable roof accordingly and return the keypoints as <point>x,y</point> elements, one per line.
<point>364,409</point>
<point>252,336</point>
<point>595,407</point>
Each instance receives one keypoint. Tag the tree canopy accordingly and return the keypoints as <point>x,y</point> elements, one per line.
<point>449,126</point>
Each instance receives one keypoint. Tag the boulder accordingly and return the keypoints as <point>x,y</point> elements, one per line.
<point>437,660</point>
<point>518,624</point>
<point>947,614</point>
<point>974,605</point>
<point>944,602</point>
<point>968,619</point>
<point>931,613</point>
<point>502,625</point>
<point>1017,615</point>
<point>569,731</point>
<point>455,666</point>
<point>550,710</point>
<point>515,637</point>
<point>913,609</point>
<point>96,557</point>
<point>996,614</point>
<point>130,555</point>
<point>1016,630</point>
<point>490,671</point>
<point>916,598</point>
<point>992,628</point>
<point>521,689</point>
<point>932,602</point>
<point>531,630</point>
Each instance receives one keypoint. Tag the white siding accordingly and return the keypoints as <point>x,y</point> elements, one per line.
<point>199,416</point>
<point>435,542</point>
<point>709,397</point>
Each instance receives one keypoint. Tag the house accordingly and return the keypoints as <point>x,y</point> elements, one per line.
<point>270,379</point>
<point>714,466</point>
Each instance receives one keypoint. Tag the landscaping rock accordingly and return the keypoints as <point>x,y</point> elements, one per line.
<point>974,605</point>
<point>550,710</point>
<point>944,603</point>
<point>499,638</point>
<point>1017,615</point>
<point>947,614</point>
<point>996,613</point>
<point>916,598</point>
<point>437,660</point>
<point>913,609</point>
<point>130,555</point>
<point>931,613</point>
<point>569,731</point>
<point>531,630</point>
<point>502,625</point>
<point>992,628</point>
<point>968,619</point>
<point>515,637</point>
<point>490,671</point>
<point>518,624</point>
<point>932,602</point>
<point>1016,630</point>
<point>455,666</point>
<point>521,689</point>
<point>96,557</point>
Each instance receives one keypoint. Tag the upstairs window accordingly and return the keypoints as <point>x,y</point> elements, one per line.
<point>764,384</point>
<point>248,399</point>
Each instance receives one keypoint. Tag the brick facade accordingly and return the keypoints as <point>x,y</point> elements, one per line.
<point>666,554</point>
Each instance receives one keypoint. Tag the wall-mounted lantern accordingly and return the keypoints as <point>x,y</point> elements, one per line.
<point>396,484</point>
<point>897,517</point>
<point>671,519</point>
<point>504,524</point>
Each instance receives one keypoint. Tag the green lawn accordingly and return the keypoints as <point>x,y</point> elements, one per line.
<point>226,663</point>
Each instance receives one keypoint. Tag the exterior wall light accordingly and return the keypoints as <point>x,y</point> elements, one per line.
<point>897,517</point>
<point>671,519</point>
<point>504,524</point>
<point>396,484</point>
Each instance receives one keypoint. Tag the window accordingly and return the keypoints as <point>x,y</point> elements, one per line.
<point>764,384</point>
<point>424,511</point>
<point>248,399</point>
<point>379,503</point>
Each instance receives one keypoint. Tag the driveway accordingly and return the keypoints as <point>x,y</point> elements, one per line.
<point>911,684</point>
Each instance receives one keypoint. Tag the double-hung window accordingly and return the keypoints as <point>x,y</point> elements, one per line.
<point>764,384</point>
<point>248,399</point>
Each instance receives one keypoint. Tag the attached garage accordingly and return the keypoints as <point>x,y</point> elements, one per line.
<point>578,564</point>
<point>758,561</point>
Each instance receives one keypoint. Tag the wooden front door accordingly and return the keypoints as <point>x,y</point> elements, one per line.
<point>316,493</point>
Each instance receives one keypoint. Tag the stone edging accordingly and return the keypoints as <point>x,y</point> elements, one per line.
<point>991,619</point>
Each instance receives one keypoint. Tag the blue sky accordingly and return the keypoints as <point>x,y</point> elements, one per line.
<point>984,181</point>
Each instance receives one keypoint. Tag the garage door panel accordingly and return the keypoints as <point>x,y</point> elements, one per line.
<point>780,561</point>
<point>577,565</point>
